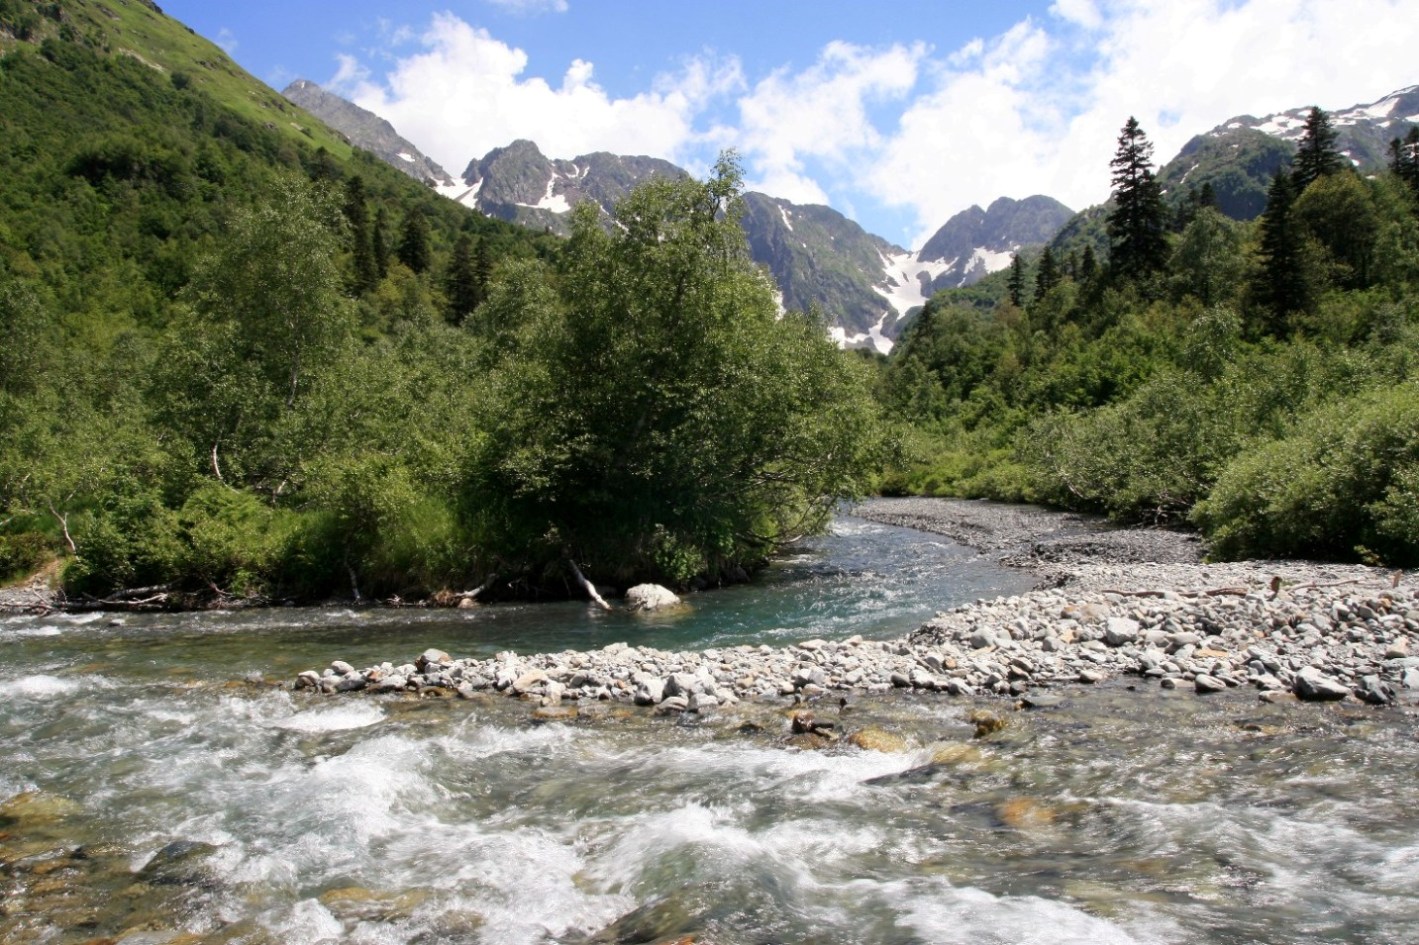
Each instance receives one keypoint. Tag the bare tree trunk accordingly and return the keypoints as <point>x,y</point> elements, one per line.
<point>587,585</point>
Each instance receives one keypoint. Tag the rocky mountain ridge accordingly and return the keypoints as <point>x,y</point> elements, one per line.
<point>865,286</point>
<point>1240,156</point>
<point>366,130</point>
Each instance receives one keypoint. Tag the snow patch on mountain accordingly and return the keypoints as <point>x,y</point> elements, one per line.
<point>873,335</point>
<point>557,203</point>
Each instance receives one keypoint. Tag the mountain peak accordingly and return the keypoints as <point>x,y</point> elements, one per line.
<point>366,130</point>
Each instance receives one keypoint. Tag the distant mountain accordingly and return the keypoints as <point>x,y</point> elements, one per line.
<point>366,130</point>
<point>1240,156</point>
<point>976,242</point>
<point>520,184</point>
<point>864,285</point>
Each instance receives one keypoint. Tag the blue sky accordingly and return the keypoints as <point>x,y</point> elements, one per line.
<point>898,115</point>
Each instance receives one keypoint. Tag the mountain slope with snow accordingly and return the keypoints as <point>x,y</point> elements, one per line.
<point>364,129</point>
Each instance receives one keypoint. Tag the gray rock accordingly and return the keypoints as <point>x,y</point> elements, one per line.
<point>1314,686</point>
<point>341,668</point>
<point>309,679</point>
<point>1119,631</point>
<point>650,690</point>
<point>351,682</point>
<point>1375,691</point>
<point>645,598</point>
<point>1208,684</point>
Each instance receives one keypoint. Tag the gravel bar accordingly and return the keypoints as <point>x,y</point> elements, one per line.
<point>1114,602</point>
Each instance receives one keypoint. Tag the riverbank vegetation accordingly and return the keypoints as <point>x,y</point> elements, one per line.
<point>1163,363</point>
<point>243,365</point>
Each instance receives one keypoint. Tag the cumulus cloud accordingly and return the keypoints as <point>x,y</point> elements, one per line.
<point>467,92</point>
<point>922,132</point>
<point>1038,109</point>
<point>821,114</point>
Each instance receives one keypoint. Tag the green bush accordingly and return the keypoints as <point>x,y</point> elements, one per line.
<point>22,554</point>
<point>1344,485</point>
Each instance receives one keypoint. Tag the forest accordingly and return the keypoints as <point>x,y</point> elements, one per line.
<point>1164,364</point>
<point>241,366</point>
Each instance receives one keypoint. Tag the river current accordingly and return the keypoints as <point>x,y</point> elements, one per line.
<point>153,789</point>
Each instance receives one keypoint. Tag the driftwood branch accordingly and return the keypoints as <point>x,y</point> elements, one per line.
<point>63,521</point>
<point>587,585</point>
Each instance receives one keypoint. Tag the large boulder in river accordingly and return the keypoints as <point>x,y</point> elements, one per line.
<point>644,598</point>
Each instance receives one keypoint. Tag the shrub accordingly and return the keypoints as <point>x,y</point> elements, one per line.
<point>1343,485</point>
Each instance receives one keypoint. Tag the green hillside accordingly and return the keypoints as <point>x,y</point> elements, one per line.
<point>244,361</point>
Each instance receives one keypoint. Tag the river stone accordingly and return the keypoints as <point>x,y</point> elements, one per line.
<point>432,657</point>
<point>650,690</point>
<point>1119,631</point>
<point>309,679</point>
<point>1314,686</point>
<point>1208,684</point>
<point>351,683</point>
<point>876,739</point>
<point>682,684</point>
<point>644,598</point>
<point>341,668</point>
<point>673,704</point>
<point>1375,691</point>
<point>529,681</point>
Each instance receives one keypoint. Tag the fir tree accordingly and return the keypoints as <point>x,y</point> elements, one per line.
<point>378,243</point>
<point>461,283</point>
<point>1047,276</point>
<point>1088,265</point>
<point>1316,155</point>
<point>1404,159</point>
<point>1017,281</point>
<point>365,271</point>
<point>1138,223</point>
<point>1282,286</point>
<point>414,250</point>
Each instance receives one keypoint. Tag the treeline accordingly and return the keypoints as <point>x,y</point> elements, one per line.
<point>1254,380</point>
<point>237,366</point>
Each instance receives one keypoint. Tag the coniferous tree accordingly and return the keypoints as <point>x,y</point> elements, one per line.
<point>1047,276</point>
<point>379,244</point>
<point>365,271</point>
<point>1137,225</point>
<point>1282,286</point>
<point>1404,159</point>
<point>461,280</point>
<point>1017,281</point>
<point>1088,265</point>
<point>414,250</point>
<point>1316,155</point>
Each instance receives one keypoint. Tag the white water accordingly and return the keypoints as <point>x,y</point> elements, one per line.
<point>1120,818</point>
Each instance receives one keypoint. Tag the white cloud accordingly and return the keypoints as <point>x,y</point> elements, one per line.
<point>1038,109</point>
<point>821,113</point>
<point>227,40</point>
<point>1034,109</point>
<point>467,93</point>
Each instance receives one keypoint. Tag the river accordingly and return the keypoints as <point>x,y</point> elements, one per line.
<point>155,790</point>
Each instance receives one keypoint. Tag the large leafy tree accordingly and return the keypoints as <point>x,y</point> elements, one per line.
<point>1316,155</point>
<point>1138,222</point>
<point>655,416</point>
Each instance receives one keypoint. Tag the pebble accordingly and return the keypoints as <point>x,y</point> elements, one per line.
<point>1331,632</point>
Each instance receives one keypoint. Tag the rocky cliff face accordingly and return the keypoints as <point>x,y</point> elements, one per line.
<point>366,130</point>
